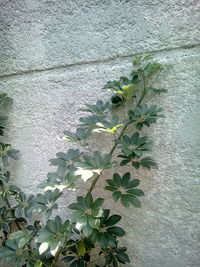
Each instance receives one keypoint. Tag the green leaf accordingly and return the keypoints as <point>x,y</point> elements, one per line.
<point>103,240</point>
<point>99,108</point>
<point>134,201</point>
<point>135,138</point>
<point>109,258</point>
<point>91,122</point>
<point>144,115</point>
<point>124,188</point>
<point>115,230</point>
<point>158,91</point>
<point>111,188</point>
<point>17,235</point>
<point>23,241</point>
<point>77,263</point>
<point>5,161</point>
<point>110,182</point>
<point>64,159</point>
<point>125,200</point>
<point>14,188</point>
<point>116,195</point>
<point>45,203</point>
<point>136,192</point>
<point>81,248</point>
<point>97,212</point>
<point>44,236</point>
<point>10,253</point>
<point>12,153</point>
<point>136,164</point>
<point>93,222</point>
<point>151,68</point>
<point>98,203</point>
<point>117,179</point>
<point>87,230</point>
<point>123,88</point>
<point>80,136</point>
<point>112,220</point>
<point>4,99</point>
<point>89,200</point>
<point>123,257</point>
<point>132,184</point>
<point>93,164</point>
<point>53,235</point>
<point>67,259</point>
<point>76,206</point>
<point>125,179</point>
<point>148,162</point>
<point>117,100</point>
<point>134,146</point>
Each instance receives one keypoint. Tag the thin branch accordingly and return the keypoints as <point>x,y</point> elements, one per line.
<point>156,78</point>
<point>57,256</point>
<point>97,176</point>
<point>143,82</point>
<point>13,214</point>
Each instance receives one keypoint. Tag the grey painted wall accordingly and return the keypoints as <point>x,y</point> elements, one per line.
<point>57,55</point>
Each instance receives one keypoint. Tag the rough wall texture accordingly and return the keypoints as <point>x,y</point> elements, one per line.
<point>56,55</point>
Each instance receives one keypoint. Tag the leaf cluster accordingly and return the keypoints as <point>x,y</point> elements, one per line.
<point>123,189</point>
<point>144,115</point>
<point>47,240</point>
<point>87,213</point>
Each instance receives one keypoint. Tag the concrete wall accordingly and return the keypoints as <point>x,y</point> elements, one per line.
<point>57,55</point>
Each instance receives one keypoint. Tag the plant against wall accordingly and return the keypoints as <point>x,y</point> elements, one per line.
<point>32,243</point>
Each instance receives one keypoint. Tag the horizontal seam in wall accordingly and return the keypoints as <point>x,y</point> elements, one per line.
<point>109,59</point>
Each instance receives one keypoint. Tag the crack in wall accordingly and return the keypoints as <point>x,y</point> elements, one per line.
<point>94,62</point>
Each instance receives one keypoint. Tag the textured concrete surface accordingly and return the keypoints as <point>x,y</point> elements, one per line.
<point>38,34</point>
<point>165,231</point>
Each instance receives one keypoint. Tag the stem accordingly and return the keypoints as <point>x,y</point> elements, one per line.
<point>143,83</point>
<point>156,78</point>
<point>95,179</point>
<point>13,214</point>
<point>144,91</point>
<point>16,222</point>
<point>57,256</point>
<point>97,176</point>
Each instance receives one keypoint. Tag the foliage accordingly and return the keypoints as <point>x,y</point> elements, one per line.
<point>143,115</point>
<point>87,213</point>
<point>123,188</point>
<point>11,253</point>
<point>7,152</point>
<point>53,235</point>
<point>99,124</point>
<point>45,203</point>
<point>106,233</point>
<point>115,255</point>
<point>31,234</point>
<point>5,219</point>
<point>4,100</point>
<point>134,144</point>
<point>99,108</point>
<point>79,137</point>
<point>93,164</point>
<point>125,88</point>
